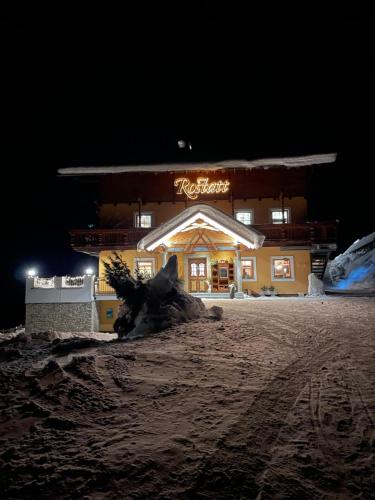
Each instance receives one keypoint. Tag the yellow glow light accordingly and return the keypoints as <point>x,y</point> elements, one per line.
<point>202,186</point>
<point>164,239</point>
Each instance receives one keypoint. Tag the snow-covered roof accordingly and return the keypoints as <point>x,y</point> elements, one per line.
<point>246,235</point>
<point>289,162</point>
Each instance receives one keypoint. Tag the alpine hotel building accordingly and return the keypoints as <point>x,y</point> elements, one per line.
<point>242,222</point>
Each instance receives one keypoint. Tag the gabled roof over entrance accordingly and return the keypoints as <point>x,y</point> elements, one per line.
<point>211,218</point>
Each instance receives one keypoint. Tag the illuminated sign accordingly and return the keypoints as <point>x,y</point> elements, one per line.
<point>193,189</point>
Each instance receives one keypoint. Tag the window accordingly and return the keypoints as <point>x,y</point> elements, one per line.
<point>201,269</point>
<point>143,220</point>
<point>244,216</point>
<point>193,269</point>
<point>248,271</point>
<point>146,267</point>
<point>277,215</point>
<point>282,268</point>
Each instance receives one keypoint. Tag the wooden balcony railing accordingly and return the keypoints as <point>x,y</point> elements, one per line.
<point>308,233</point>
<point>94,240</point>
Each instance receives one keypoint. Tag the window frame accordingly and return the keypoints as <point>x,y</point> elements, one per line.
<point>254,259</point>
<point>135,219</point>
<point>245,210</point>
<point>286,209</point>
<point>145,259</point>
<point>281,257</point>
<point>204,269</point>
<point>195,268</point>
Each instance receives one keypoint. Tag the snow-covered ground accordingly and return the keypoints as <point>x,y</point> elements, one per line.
<point>277,400</point>
<point>10,334</point>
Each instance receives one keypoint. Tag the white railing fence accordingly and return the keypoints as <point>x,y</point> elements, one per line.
<point>72,281</point>
<point>44,282</point>
<point>60,289</point>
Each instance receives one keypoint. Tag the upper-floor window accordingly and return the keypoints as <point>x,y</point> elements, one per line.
<point>277,216</point>
<point>143,219</point>
<point>244,216</point>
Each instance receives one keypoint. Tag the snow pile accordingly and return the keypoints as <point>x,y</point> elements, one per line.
<point>316,286</point>
<point>11,333</point>
<point>355,268</point>
<point>52,335</point>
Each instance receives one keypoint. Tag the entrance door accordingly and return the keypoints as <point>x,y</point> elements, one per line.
<point>197,269</point>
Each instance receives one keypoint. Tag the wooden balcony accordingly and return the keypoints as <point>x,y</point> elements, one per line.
<point>307,234</point>
<point>92,241</point>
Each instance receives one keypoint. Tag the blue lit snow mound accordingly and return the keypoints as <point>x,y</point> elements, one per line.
<point>355,268</point>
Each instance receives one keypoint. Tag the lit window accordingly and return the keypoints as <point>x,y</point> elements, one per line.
<point>193,269</point>
<point>145,268</point>
<point>201,269</point>
<point>244,216</point>
<point>282,268</point>
<point>277,216</point>
<point>143,220</point>
<point>248,268</point>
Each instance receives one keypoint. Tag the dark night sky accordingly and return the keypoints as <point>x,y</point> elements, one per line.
<point>87,86</point>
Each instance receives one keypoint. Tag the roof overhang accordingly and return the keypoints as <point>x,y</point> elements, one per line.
<point>288,162</point>
<point>246,235</point>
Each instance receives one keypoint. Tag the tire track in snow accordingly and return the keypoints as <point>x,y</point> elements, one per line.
<point>250,440</point>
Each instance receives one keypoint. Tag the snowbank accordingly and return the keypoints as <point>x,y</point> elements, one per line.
<point>51,335</point>
<point>355,268</point>
<point>11,333</point>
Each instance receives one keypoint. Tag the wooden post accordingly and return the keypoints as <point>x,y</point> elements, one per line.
<point>238,271</point>
<point>139,212</point>
<point>282,206</point>
<point>165,253</point>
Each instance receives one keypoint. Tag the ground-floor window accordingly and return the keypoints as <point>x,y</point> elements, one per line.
<point>282,268</point>
<point>146,267</point>
<point>197,269</point>
<point>248,269</point>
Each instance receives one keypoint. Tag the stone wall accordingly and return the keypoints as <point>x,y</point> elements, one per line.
<point>62,317</point>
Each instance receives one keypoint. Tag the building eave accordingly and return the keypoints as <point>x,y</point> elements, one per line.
<point>288,162</point>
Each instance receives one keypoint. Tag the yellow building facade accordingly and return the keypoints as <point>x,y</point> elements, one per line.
<point>233,224</point>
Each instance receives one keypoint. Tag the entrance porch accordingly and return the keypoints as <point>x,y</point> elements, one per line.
<point>208,245</point>
<point>210,272</point>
